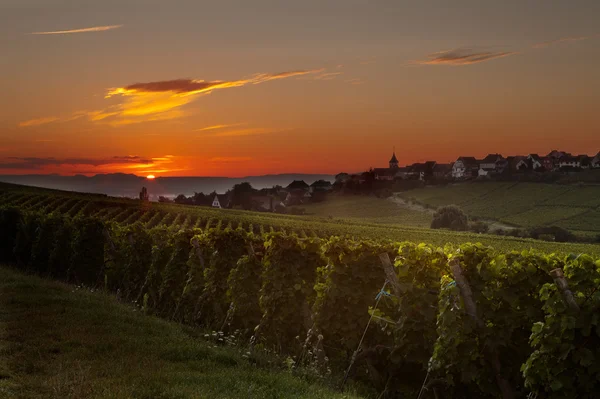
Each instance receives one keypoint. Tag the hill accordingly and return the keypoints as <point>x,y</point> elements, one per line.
<point>61,343</point>
<point>573,207</point>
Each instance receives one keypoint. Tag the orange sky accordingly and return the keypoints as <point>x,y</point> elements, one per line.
<point>237,89</point>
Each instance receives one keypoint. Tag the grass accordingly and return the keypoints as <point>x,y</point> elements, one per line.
<point>58,342</point>
<point>367,209</point>
<point>520,204</point>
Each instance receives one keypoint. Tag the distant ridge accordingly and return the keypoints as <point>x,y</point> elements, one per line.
<point>129,185</point>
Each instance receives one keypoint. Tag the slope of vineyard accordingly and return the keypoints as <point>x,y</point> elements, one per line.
<point>520,204</point>
<point>472,319</point>
<point>151,214</point>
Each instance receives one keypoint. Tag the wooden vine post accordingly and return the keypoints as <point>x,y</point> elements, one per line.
<point>471,310</point>
<point>390,274</point>
<point>561,282</point>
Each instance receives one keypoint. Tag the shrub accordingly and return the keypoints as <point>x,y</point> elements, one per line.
<point>451,217</point>
<point>478,227</point>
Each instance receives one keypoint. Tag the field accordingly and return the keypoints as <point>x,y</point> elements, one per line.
<point>361,208</point>
<point>574,207</point>
<point>127,212</point>
<point>57,343</point>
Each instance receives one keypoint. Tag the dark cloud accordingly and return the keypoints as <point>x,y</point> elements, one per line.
<point>175,86</point>
<point>37,163</point>
<point>464,56</point>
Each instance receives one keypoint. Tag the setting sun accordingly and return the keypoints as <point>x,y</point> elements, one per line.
<point>150,177</point>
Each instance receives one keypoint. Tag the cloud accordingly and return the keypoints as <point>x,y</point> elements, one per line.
<point>39,121</point>
<point>83,30</point>
<point>462,56</point>
<point>328,75</point>
<point>36,163</point>
<point>561,40</point>
<point>215,127</point>
<point>91,165</point>
<point>162,100</point>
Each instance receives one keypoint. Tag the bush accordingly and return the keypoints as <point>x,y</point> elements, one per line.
<point>297,211</point>
<point>558,233</point>
<point>479,227</point>
<point>451,217</point>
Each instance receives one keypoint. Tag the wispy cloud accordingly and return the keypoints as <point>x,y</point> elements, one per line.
<point>561,40</point>
<point>462,56</point>
<point>39,121</point>
<point>215,127</point>
<point>328,75</point>
<point>162,100</point>
<point>82,30</point>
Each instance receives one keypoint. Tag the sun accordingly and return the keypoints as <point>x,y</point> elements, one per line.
<point>150,177</point>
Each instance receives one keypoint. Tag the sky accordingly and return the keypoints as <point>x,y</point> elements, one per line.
<point>239,88</point>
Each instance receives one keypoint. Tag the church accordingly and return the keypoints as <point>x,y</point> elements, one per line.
<point>390,172</point>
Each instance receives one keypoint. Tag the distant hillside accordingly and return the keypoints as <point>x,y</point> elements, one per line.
<point>574,207</point>
<point>128,185</point>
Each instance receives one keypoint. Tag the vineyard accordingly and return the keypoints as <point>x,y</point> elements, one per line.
<point>126,212</point>
<point>454,321</point>
<point>574,207</point>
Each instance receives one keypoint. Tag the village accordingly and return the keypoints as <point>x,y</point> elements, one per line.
<point>383,182</point>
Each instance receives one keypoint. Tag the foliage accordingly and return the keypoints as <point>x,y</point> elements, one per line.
<point>286,293</point>
<point>450,217</point>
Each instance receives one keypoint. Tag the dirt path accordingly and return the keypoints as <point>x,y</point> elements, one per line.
<point>401,202</point>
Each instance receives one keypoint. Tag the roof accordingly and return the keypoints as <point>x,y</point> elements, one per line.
<point>385,171</point>
<point>394,159</point>
<point>321,183</point>
<point>468,161</point>
<point>223,198</point>
<point>298,184</point>
<point>491,158</point>
<point>535,157</point>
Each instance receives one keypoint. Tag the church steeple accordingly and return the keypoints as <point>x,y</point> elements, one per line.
<point>394,160</point>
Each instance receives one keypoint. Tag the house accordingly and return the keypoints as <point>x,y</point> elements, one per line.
<point>585,162</point>
<point>402,173</point>
<point>568,162</point>
<point>320,185</point>
<point>342,177</point>
<point>535,161</point>
<point>555,154</point>
<point>465,168</point>
<point>221,201</point>
<point>442,170</point>
<point>595,162</point>
<point>385,173</point>
<point>422,171</point>
<point>490,161</point>
<point>298,185</point>
<point>521,164</point>
<point>296,197</point>
<point>548,164</point>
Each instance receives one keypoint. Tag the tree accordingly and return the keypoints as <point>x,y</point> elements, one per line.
<point>181,199</point>
<point>164,199</point>
<point>241,195</point>
<point>450,217</point>
<point>144,194</point>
